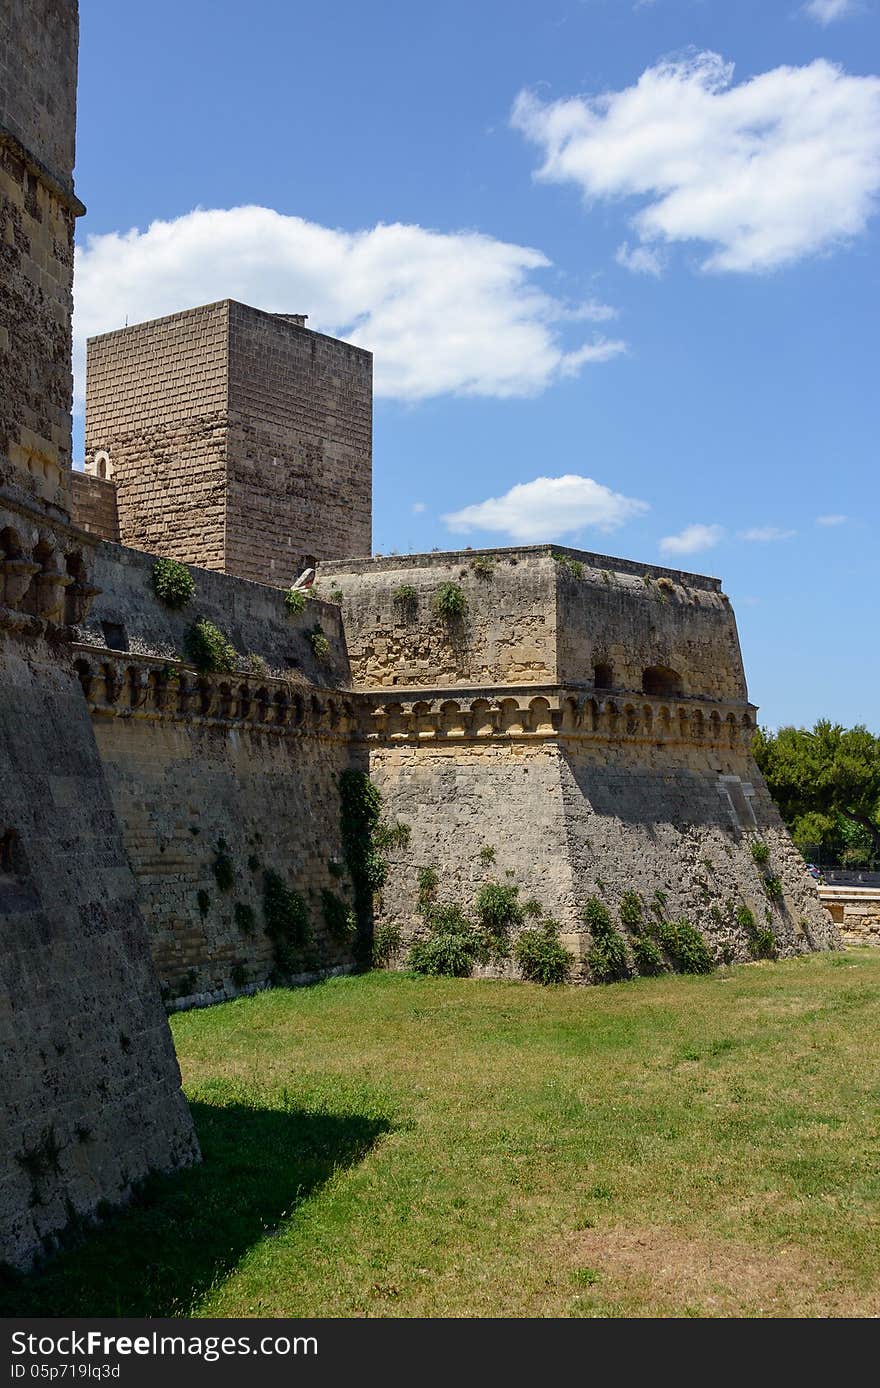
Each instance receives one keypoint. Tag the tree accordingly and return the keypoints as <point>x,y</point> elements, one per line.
<point>826,782</point>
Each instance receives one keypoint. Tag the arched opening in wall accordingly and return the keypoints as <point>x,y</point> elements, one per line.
<point>661,681</point>
<point>603,675</point>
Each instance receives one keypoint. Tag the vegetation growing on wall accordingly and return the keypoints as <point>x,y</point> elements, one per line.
<point>319,643</point>
<point>483,566</point>
<point>450,602</point>
<point>295,600</point>
<point>360,814</point>
<point>208,649</point>
<point>339,917</point>
<point>573,568</point>
<point>245,917</point>
<point>287,925</point>
<point>222,867</point>
<point>173,583</point>
<point>406,600</point>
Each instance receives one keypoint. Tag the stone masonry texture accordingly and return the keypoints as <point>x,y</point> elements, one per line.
<point>90,1098</point>
<point>38,208</point>
<point>239,440</point>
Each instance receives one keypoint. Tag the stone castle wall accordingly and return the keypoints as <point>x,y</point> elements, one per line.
<point>250,759</point>
<point>300,447</point>
<point>93,503</point>
<point>156,402</point>
<point>396,636</point>
<point>574,797</point>
<point>589,620</point>
<point>38,209</point>
<point>90,1100</point>
<point>38,42</point>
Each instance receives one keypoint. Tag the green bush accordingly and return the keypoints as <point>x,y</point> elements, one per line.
<point>222,867</point>
<point>386,943</point>
<point>483,566</point>
<point>773,887</point>
<point>745,919</point>
<point>648,956</point>
<point>532,908</point>
<point>339,917</point>
<point>596,917</point>
<point>487,854</point>
<point>446,953</point>
<point>631,913</point>
<point>319,643</point>
<point>498,908</point>
<point>759,851</point>
<point>406,599</point>
<point>541,957</point>
<point>686,947</point>
<point>208,649</point>
<point>245,918</point>
<point>763,943</point>
<point>608,958</point>
<point>295,600</point>
<point>173,583</point>
<point>428,881</point>
<point>450,602</point>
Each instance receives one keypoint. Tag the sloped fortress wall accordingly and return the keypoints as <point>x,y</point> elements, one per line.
<point>588,735</point>
<point>241,768</point>
<point>236,439</point>
<point>90,1097</point>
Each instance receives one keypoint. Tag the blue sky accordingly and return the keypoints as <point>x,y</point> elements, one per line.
<point>625,242</point>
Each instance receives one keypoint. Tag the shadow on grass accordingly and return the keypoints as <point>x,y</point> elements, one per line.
<point>184,1233</point>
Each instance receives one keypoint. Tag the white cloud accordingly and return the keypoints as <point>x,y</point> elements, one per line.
<point>826,11</point>
<point>641,259</point>
<point>418,507</point>
<point>765,172</point>
<point>456,312</point>
<point>692,540</point>
<point>832,520</point>
<point>766,533</point>
<point>548,508</point>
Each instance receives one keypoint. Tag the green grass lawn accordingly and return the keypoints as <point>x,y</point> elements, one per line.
<point>396,1146</point>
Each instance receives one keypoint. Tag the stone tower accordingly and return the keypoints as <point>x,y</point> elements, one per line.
<point>236,439</point>
<point>38,208</point>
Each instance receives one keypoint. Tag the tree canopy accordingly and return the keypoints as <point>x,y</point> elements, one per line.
<point>826,782</point>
